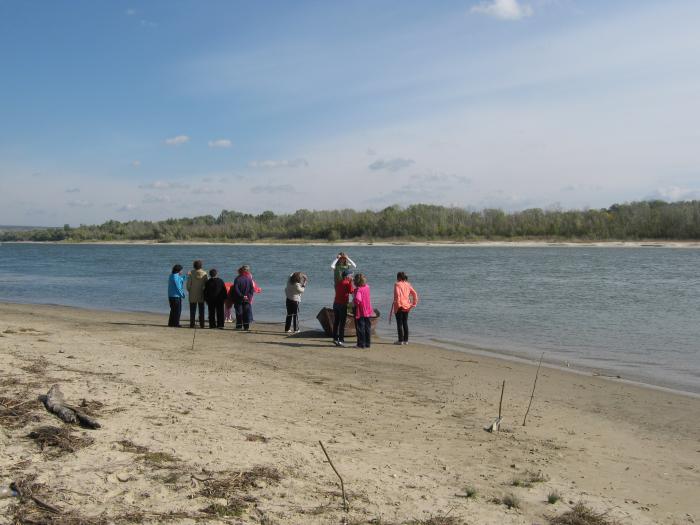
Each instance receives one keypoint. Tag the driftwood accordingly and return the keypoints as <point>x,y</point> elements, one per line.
<point>54,403</point>
<point>346,507</point>
<point>496,424</point>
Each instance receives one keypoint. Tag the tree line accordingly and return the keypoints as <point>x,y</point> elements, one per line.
<point>631,221</point>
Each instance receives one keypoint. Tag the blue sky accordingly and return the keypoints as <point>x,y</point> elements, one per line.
<point>122,110</point>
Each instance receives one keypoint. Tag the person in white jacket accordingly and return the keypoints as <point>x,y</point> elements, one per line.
<point>296,284</point>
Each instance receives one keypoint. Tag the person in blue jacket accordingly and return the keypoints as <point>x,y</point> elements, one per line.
<point>176,293</point>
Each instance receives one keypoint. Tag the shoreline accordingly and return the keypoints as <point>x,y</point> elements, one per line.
<point>404,426</point>
<point>448,345</point>
<point>437,244</point>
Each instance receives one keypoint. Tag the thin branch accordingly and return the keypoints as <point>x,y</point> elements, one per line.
<point>342,485</point>
<point>533,389</point>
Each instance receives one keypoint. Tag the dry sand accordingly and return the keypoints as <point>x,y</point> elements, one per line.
<point>403,425</point>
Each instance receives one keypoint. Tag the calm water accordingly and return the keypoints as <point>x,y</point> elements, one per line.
<point>632,311</point>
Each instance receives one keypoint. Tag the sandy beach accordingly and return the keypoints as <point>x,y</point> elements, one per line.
<point>228,431</point>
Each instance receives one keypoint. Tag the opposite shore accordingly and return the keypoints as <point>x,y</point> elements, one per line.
<point>384,243</point>
<point>403,425</point>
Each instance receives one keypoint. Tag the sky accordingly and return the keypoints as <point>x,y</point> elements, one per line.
<point>148,110</point>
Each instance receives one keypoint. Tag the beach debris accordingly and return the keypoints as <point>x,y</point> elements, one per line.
<point>346,507</point>
<point>496,424</point>
<point>533,389</point>
<point>55,403</point>
<point>580,514</point>
<point>58,440</point>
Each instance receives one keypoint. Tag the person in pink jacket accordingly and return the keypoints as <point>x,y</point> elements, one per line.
<point>363,311</point>
<point>405,300</point>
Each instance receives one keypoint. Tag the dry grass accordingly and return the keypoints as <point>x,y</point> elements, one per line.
<point>581,515</point>
<point>528,478</point>
<point>57,441</point>
<point>436,520</point>
<point>256,437</point>
<point>130,446</point>
<point>229,483</point>
<point>18,411</point>
<point>155,459</point>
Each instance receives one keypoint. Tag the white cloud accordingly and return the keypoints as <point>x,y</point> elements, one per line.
<point>79,204</point>
<point>205,190</point>
<point>503,9</point>
<point>390,165</point>
<point>274,189</point>
<point>127,207</point>
<point>72,190</point>
<point>177,141</point>
<point>135,163</point>
<point>220,143</point>
<point>130,12</point>
<point>147,23</point>
<point>156,199</point>
<point>163,185</point>
<point>294,163</point>
<point>675,193</point>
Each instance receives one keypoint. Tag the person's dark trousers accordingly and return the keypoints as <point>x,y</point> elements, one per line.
<point>292,315</point>
<point>402,325</point>
<point>364,332</point>
<point>175,311</point>
<point>193,310</point>
<point>216,314</point>
<point>243,315</point>
<point>340,312</point>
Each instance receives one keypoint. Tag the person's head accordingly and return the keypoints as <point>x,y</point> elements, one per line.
<point>342,257</point>
<point>347,274</point>
<point>213,273</point>
<point>297,277</point>
<point>401,276</point>
<point>177,268</point>
<point>197,264</point>
<point>360,280</point>
<point>244,269</point>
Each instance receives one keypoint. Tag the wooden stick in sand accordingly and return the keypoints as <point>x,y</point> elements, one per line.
<point>193,336</point>
<point>533,389</point>
<point>496,424</point>
<point>342,485</point>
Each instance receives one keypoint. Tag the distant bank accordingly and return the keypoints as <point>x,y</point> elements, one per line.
<point>640,222</point>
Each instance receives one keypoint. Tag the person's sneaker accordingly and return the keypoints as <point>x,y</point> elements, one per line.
<point>297,331</point>
<point>405,343</point>
<point>290,331</point>
<point>398,342</point>
<point>339,343</point>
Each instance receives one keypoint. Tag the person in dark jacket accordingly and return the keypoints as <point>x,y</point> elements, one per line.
<point>215,295</point>
<point>241,296</point>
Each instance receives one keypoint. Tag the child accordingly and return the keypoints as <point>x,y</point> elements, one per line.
<point>296,284</point>
<point>175,295</point>
<point>228,305</point>
<point>343,290</point>
<point>405,300</point>
<point>215,295</point>
<point>363,311</point>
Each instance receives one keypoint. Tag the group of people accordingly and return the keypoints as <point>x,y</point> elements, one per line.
<point>352,296</point>
<point>220,297</point>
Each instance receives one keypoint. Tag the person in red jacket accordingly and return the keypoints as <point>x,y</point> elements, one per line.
<point>343,290</point>
<point>405,300</point>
